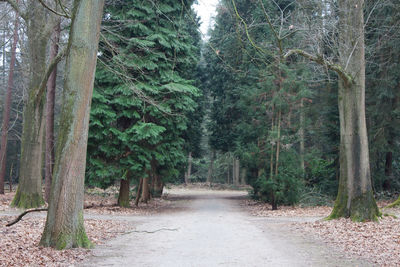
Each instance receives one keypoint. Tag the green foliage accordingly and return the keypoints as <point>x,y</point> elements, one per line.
<point>144,91</point>
<point>286,187</point>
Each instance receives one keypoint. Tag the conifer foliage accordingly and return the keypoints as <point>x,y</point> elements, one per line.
<point>144,90</point>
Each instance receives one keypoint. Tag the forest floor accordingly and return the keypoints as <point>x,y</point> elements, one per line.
<point>192,226</point>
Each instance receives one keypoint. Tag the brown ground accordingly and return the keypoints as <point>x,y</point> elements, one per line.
<point>378,243</point>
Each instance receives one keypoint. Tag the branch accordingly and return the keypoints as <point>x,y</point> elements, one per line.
<point>48,72</point>
<point>151,232</point>
<point>247,30</point>
<point>22,215</point>
<point>65,15</point>
<point>346,77</point>
<point>15,6</point>
<point>277,37</point>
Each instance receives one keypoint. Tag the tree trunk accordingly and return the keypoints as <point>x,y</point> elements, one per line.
<point>237,172</point>
<point>355,197</point>
<point>138,192</point>
<point>243,176</point>
<point>29,191</point>
<point>123,197</point>
<point>50,98</point>
<point>228,170</point>
<point>189,169</point>
<point>64,225</point>
<point>145,190</point>
<point>211,167</point>
<point>388,170</point>
<point>301,135</point>
<point>157,185</point>
<point>7,107</point>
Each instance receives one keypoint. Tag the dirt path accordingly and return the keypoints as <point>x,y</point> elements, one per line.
<point>208,228</point>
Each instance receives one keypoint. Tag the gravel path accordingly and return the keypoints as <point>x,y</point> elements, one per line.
<point>211,229</point>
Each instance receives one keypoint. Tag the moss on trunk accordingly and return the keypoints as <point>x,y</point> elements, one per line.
<point>363,208</point>
<point>76,239</point>
<point>355,198</point>
<point>64,226</point>
<point>30,177</point>
<point>27,200</point>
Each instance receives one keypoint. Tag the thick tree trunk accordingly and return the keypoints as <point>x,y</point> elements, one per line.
<point>50,99</point>
<point>123,197</point>
<point>211,168</point>
<point>355,197</point>
<point>64,225</point>
<point>7,107</point>
<point>29,191</point>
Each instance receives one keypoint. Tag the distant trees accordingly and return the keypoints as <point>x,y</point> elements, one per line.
<point>7,105</point>
<point>249,47</point>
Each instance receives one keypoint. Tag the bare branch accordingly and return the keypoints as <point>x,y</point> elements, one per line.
<point>17,9</point>
<point>346,77</point>
<point>22,215</point>
<point>49,70</point>
<point>54,11</point>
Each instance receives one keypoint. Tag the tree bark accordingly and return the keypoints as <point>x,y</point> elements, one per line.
<point>145,190</point>
<point>138,192</point>
<point>355,197</point>
<point>29,191</point>
<point>243,176</point>
<point>189,169</point>
<point>388,170</point>
<point>64,226</point>
<point>237,172</point>
<point>7,107</point>
<point>50,99</point>
<point>211,167</point>
<point>301,135</point>
<point>123,197</point>
<point>228,170</point>
<point>157,185</point>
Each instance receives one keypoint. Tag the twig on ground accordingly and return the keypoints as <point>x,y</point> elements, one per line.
<point>155,231</point>
<point>22,215</point>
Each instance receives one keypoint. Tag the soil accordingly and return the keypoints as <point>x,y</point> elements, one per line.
<point>214,228</point>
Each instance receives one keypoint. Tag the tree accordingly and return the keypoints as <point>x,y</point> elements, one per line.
<point>39,27</point>
<point>142,96</point>
<point>355,196</point>
<point>7,108</point>
<point>64,224</point>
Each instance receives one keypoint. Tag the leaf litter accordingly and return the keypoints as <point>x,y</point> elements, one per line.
<point>376,242</point>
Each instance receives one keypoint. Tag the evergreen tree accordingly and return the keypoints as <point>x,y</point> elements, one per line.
<point>143,94</point>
